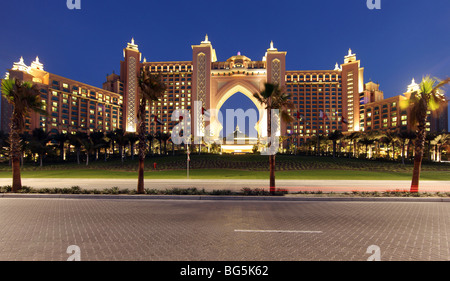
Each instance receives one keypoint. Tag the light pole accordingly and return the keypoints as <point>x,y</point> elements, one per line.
<point>188,160</point>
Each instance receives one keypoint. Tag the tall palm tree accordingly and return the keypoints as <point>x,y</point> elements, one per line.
<point>24,97</point>
<point>273,97</point>
<point>152,88</point>
<point>334,137</point>
<point>428,97</point>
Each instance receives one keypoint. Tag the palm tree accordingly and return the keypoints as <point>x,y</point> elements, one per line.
<point>318,139</point>
<point>165,137</point>
<point>427,148</point>
<point>132,139</point>
<point>61,139</point>
<point>405,136</point>
<point>77,141</point>
<point>111,138</point>
<point>440,140</point>
<point>273,97</point>
<point>150,137</point>
<point>354,137</point>
<point>24,97</point>
<point>38,144</point>
<point>97,138</point>
<point>411,137</point>
<point>159,138</point>
<point>428,97</point>
<point>334,137</point>
<point>152,88</point>
<point>389,138</point>
<point>121,139</point>
<point>90,146</point>
<point>366,140</point>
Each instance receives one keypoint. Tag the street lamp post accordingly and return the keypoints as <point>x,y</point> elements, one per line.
<point>188,160</point>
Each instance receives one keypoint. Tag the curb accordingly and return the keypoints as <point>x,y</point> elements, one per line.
<point>223,198</point>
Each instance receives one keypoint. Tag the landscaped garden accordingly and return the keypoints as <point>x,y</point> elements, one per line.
<point>214,166</point>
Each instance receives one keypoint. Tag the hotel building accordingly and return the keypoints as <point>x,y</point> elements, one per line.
<point>321,98</point>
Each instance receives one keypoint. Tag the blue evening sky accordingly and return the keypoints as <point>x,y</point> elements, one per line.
<point>405,39</point>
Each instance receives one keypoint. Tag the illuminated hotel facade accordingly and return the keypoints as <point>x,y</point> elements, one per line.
<point>324,100</point>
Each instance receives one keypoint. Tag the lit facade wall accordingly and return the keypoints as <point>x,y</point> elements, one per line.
<point>71,105</point>
<point>312,92</point>
<point>340,93</point>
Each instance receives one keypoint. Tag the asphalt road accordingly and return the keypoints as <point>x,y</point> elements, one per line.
<point>182,230</point>
<point>211,184</point>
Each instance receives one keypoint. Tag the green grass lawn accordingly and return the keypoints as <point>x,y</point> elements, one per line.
<point>238,167</point>
<point>233,174</point>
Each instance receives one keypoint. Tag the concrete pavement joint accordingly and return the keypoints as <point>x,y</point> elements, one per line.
<point>222,198</point>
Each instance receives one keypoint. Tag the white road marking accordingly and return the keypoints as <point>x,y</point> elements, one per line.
<point>275,231</point>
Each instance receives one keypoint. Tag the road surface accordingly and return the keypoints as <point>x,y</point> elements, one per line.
<point>186,230</point>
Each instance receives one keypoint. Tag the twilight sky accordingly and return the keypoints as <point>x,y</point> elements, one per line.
<point>405,39</point>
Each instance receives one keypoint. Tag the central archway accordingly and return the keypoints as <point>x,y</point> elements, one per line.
<point>246,89</point>
<point>239,104</point>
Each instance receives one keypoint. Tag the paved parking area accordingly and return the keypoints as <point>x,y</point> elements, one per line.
<point>182,230</point>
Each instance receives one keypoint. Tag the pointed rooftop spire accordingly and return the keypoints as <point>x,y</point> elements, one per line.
<point>132,45</point>
<point>336,67</point>
<point>272,48</point>
<point>37,64</point>
<point>413,86</point>
<point>206,40</point>
<point>21,66</point>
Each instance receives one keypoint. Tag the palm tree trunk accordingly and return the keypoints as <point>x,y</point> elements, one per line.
<point>78,155</point>
<point>61,152</point>
<point>17,180</point>
<point>132,151</point>
<point>334,148</point>
<point>142,147</point>
<point>15,154</point>
<point>403,152</point>
<point>419,145</point>
<point>271,157</point>
<point>87,158</point>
